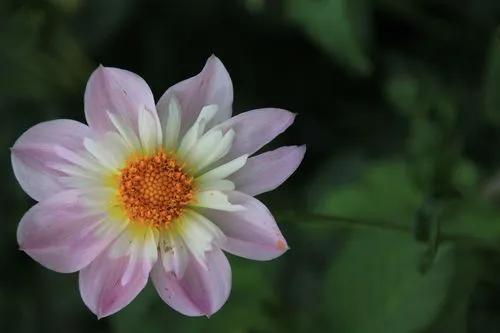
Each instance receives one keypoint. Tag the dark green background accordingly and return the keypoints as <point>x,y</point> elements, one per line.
<point>398,103</point>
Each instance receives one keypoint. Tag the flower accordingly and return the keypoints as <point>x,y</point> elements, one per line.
<point>158,191</point>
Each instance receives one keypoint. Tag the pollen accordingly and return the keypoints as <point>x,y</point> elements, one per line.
<point>155,189</point>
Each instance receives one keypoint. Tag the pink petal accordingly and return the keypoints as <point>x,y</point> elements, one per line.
<point>35,150</point>
<point>116,276</point>
<point>255,128</point>
<point>211,86</point>
<point>200,291</point>
<point>267,171</point>
<point>61,234</point>
<point>251,233</point>
<point>117,91</point>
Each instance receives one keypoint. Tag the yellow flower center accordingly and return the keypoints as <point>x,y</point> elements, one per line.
<point>154,189</point>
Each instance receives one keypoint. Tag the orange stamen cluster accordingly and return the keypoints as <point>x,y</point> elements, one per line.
<point>154,189</point>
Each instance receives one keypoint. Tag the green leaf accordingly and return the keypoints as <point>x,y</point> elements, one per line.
<point>473,220</point>
<point>385,191</point>
<point>453,315</point>
<point>341,27</point>
<point>374,285</point>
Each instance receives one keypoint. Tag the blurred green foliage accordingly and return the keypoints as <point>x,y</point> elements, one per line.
<point>341,27</point>
<point>374,285</point>
<point>398,102</point>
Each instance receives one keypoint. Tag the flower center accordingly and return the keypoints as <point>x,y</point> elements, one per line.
<point>155,189</point>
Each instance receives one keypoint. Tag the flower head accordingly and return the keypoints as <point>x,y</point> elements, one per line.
<point>153,190</point>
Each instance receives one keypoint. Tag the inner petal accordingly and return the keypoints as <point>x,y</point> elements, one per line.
<point>154,189</point>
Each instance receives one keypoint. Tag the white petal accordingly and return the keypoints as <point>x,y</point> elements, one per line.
<point>115,144</point>
<point>189,140</point>
<point>110,150</point>
<point>215,200</point>
<point>224,170</point>
<point>80,182</point>
<point>222,148</point>
<point>98,198</point>
<point>206,114</point>
<point>159,131</point>
<point>216,184</point>
<point>144,248</point>
<point>73,170</point>
<point>103,153</point>
<point>173,252</point>
<point>136,242</point>
<point>148,131</point>
<point>81,159</point>
<point>124,128</point>
<point>199,234</point>
<point>173,126</point>
<point>193,134</point>
<point>204,147</point>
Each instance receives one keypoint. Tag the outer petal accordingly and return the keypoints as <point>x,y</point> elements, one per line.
<point>254,129</point>
<point>35,150</point>
<point>251,233</point>
<point>117,276</point>
<point>119,92</point>
<point>211,86</point>
<point>200,291</point>
<point>267,171</point>
<point>62,234</point>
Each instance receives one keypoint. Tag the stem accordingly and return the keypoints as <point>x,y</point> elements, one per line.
<point>342,221</point>
<point>353,223</point>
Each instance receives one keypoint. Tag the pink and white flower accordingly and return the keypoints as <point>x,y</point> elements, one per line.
<point>153,190</point>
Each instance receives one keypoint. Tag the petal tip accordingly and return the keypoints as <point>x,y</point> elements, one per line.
<point>101,316</point>
<point>103,72</point>
<point>292,115</point>
<point>100,70</point>
<point>102,312</point>
<point>286,117</point>
<point>282,245</point>
<point>213,59</point>
<point>302,149</point>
